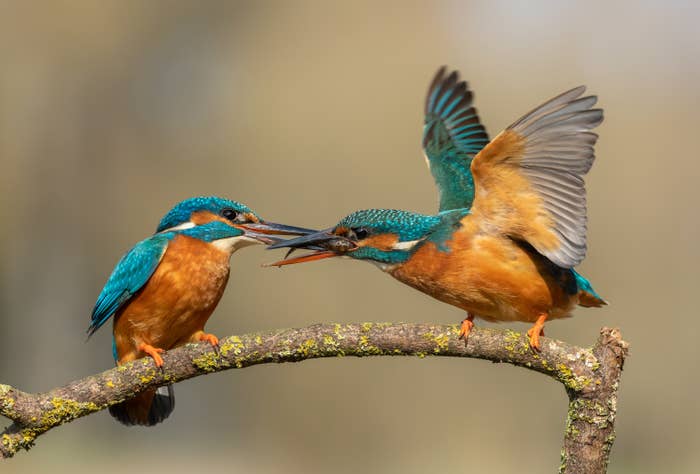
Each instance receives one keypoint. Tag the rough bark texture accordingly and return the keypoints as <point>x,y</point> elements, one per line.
<point>590,376</point>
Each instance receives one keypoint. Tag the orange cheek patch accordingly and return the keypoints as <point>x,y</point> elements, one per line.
<point>250,217</point>
<point>381,242</point>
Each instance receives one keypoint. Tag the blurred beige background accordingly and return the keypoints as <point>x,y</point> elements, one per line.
<point>112,111</point>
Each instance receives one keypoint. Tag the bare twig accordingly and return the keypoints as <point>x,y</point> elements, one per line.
<point>590,376</point>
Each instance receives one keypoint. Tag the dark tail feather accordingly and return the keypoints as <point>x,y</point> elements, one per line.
<point>589,300</point>
<point>587,296</point>
<point>147,408</point>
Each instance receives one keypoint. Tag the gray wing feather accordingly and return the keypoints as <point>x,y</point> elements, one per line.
<point>558,153</point>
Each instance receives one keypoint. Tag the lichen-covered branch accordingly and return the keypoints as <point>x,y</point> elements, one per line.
<point>590,422</point>
<point>590,375</point>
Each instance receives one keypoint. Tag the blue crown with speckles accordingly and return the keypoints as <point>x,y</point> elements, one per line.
<point>183,210</point>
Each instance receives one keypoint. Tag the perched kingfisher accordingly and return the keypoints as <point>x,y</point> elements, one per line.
<point>162,292</point>
<point>511,225</point>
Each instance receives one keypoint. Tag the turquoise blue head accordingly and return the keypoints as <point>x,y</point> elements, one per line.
<point>212,218</point>
<point>383,236</point>
<point>184,211</point>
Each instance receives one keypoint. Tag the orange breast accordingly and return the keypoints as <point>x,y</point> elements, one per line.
<point>176,301</point>
<point>488,275</point>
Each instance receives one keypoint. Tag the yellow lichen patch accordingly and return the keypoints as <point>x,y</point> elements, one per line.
<point>564,371</point>
<point>365,348</point>
<point>589,411</point>
<point>207,362</point>
<point>147,378</point>
<point>245,360</point>
<point>338,331</point>
<point>332,345</point>
<point>233,343</point>
<point>571,380</point>
<point>110,384</point>
<point>440,340</point>
<point>366,327</point>
<point>307,347</point>
<point>65,410</point>
<point>7,403</point>
<point>258,339</point>
<point>515,343</point>
<point>22,440</point>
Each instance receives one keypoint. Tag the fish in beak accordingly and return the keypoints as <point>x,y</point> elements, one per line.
<point>324,244</point>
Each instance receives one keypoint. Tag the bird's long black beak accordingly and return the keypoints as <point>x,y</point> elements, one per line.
<point>264,231</point>
<point>324,244</point>
<point>265,227</point>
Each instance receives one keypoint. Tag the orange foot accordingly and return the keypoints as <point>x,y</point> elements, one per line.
<point>210,338</point>
<point>536,331</point>
<point>154,352</point>
<point>466,328</point>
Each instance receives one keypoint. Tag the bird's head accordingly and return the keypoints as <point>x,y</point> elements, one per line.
<point>385,237</point>
<point>228,224</point>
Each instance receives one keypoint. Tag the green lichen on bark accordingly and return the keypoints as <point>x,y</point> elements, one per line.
<point>439,340</point>
<point>590,376</point>
<point>7,402</point>
<point>516,343</point>
<point>65,410</point>
<point>208,362</point>
<point>571,380</point>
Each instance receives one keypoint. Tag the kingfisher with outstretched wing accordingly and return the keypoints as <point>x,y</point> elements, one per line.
<point>511,225</point>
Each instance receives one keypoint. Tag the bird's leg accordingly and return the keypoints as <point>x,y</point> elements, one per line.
<point>210,338</point>
<point>203,336</point>
<point>536,331</point>
<point>466,328</point>
<point>154,352</point>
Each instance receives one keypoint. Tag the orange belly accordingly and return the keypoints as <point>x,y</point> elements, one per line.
<point>177,300</point>
<point>490,276</point>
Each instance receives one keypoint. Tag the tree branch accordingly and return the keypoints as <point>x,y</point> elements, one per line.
<point>590,376</point>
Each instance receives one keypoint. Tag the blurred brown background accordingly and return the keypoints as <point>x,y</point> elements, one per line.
<point>112,111</point>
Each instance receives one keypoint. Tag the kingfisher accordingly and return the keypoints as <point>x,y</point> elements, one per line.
<point>511,224</point>
<point>163,290</point>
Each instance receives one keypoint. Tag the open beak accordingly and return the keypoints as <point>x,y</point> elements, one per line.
<point>263,231</point>
<point>324,244</point>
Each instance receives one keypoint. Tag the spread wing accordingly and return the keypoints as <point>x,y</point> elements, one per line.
<point>452,135</point>
<point>130,274</point>
<point>529,179</point>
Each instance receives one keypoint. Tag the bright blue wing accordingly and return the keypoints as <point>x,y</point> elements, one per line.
<point>452,136</point>
<point>130,274</point>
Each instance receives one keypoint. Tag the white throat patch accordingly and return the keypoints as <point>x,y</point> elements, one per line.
<point>183,226</point>
<point>408,245</point>
<point>232,244</point>
<point>383,266</point>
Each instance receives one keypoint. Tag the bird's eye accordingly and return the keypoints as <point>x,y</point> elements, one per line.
<point>360,233</point>
<point>229,214</point>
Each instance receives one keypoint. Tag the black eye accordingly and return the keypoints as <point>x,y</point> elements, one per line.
<point>229,214</point>
<point>360,233</point>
